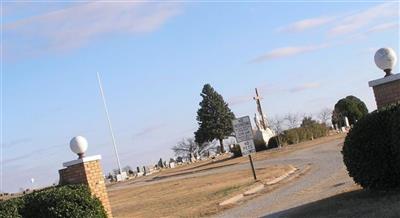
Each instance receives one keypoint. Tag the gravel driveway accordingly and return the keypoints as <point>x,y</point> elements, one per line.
<point>327,177</point>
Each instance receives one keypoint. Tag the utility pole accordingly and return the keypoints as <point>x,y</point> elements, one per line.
<point>109,122</point>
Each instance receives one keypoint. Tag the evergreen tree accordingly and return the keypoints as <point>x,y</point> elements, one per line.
<point>307,122</point>
<point>351,107</point>
<point>214,117</point>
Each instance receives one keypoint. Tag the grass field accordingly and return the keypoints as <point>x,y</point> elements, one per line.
<point>189,197</point>
<point>181,192</point>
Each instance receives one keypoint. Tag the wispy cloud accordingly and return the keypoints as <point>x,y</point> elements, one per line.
<point>32,153</point>
<point>306,24</point>
<point>287,52</point>
<point>75,26</point>
<point>150,129</point>
<point>305,86</point>
<point>357,21</point>
<point>353,25</point>
<point>383,27</point>
<point>17,142</point>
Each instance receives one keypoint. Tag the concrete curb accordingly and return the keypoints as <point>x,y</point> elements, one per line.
<point>254,190</point>
<point>282,177</point>
<point>231,200</point>
<point>258,188</point>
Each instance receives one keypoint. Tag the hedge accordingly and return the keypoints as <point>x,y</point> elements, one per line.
<point>371,150</point>
<point>11,208</point>
<point>61,201</point>
<point>300,134</point>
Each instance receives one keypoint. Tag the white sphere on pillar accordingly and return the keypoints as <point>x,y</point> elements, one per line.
<point>385,59</point>
<point>79,145</point>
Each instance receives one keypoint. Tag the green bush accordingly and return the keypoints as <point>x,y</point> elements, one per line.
<point>62,201</point>
<point>371,150</point>
<point>300,134</point>
<point>395,144</point>
<point>260,145</point>
<point>236,150</point>
<point>292,136</point>
<point>11,208</point>
<point>273,142</point>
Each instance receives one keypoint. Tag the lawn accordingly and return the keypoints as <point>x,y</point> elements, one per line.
<point>189,197</point>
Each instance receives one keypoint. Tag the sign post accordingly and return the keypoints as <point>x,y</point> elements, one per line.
<point>244,136</point>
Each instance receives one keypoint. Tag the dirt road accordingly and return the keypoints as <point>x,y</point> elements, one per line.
<point>327,177</point>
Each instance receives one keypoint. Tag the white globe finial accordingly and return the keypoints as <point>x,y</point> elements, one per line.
<point>385,59</point>
<point>79,145</point>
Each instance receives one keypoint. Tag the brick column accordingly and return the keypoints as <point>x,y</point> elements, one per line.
<point>87,171</point>
<point>386,90</point>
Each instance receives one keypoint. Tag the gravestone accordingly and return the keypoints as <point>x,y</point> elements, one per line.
<point>146,170</point>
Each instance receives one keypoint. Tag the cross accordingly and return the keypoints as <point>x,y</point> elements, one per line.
<point>257,98</point>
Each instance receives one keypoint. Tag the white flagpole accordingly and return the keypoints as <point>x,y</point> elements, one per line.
<point>109,122</point>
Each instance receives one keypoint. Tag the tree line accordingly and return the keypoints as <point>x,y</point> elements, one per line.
<point>214,118</point>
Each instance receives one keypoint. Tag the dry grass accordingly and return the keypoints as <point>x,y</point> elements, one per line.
<point>190,197</point>
<point>163,195</point>
<point>226,161</point>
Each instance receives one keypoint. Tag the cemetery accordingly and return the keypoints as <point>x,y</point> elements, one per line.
<point>197,184</point>
<point>193,125</point>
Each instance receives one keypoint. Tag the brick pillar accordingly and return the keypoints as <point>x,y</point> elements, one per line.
<point>87,171</point>
<point>386,90</point>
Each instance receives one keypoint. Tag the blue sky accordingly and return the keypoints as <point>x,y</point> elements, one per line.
<point>154,59</point>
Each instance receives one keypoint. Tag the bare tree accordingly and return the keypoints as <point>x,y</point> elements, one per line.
<point>292,120</point>
<point>207,147</point>
<point>325,115</point>
<point>277,124</point>
<point>185,148</point>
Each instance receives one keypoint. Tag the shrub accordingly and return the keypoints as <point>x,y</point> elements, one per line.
<point>300,134</point>
<point>291,136</point>
<point>273,142</point>
<point>11,208</point>
<point>371,150</point>
<point>395,144</point>
<point>260,145</point>
<point>236,150</point>
<point>62,201</point>
<point>305,133</point>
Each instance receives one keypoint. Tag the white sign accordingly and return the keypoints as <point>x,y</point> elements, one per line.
<point>247,147</point>
<point>244,134</point>
<point>242,128</point>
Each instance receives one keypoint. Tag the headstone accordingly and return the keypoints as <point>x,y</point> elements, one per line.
<point>346,121</point>
<point>146,170</point>
<point>121,177</point>
<point>160,163</point>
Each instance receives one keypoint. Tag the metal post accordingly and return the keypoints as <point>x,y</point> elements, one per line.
<point>252,167</point>
<point>109,122</point>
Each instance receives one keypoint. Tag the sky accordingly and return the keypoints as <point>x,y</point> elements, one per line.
<point>155,57</point>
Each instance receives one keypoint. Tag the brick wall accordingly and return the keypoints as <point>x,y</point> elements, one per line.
<point>89,173</point>
<point>387,92</point>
